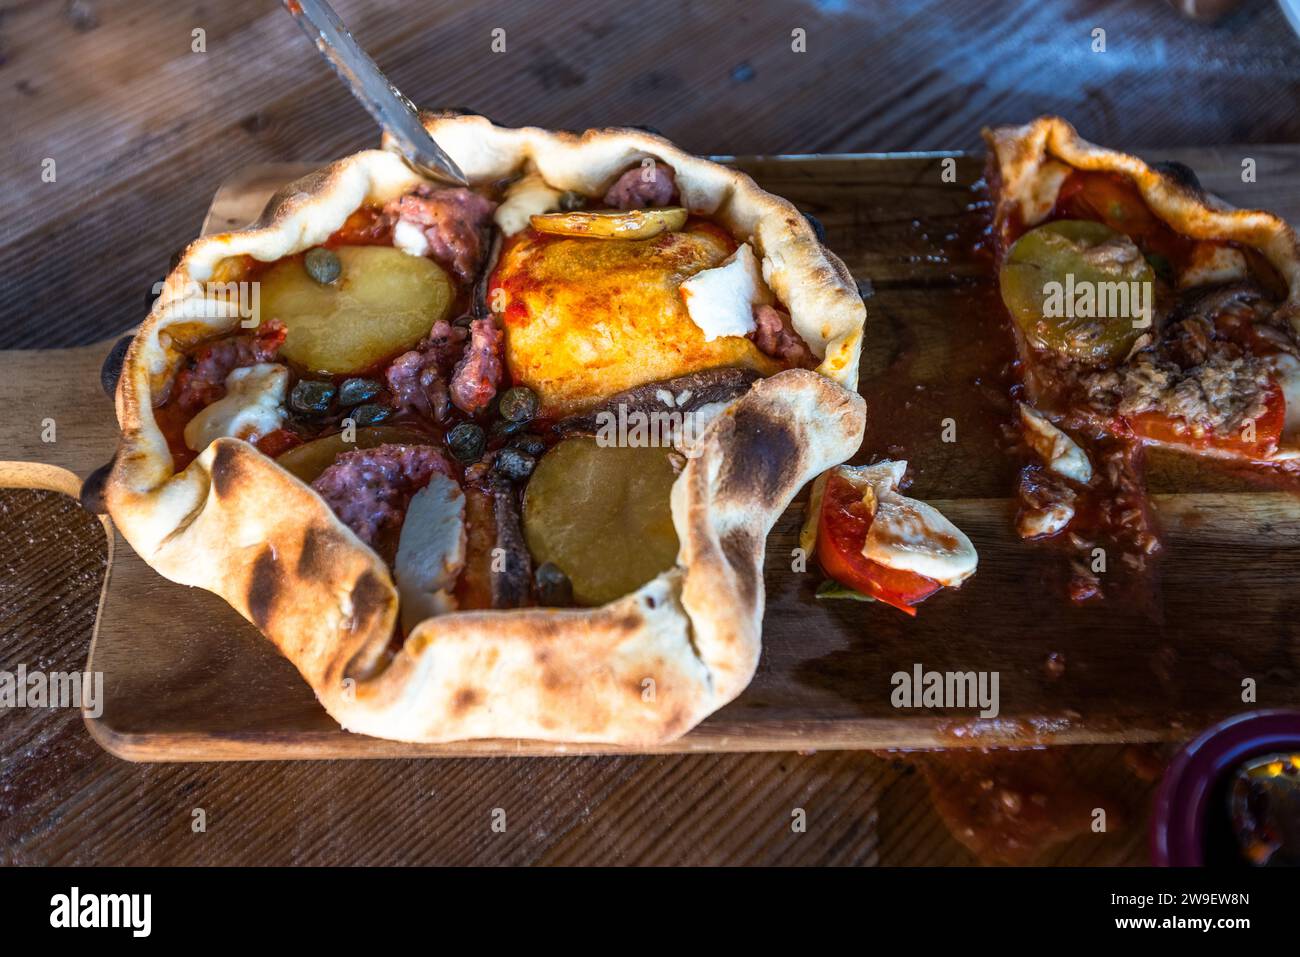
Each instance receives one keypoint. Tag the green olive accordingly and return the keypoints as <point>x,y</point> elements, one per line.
<point>601,514</point>
<point>1075,287</point>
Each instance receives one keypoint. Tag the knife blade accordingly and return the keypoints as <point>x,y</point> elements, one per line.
<point>382,100</point>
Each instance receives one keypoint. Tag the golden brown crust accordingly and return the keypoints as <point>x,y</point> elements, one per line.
<point>643,669</point>
<point>1021,177</point>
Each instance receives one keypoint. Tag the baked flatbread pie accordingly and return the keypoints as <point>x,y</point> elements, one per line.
<point>495,462</point>
<point>1146,313</point>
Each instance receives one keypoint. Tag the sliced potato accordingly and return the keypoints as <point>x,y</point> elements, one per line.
<point>612,223</point>
<point>309,460</point>
<point>602,515</point>
<point>384,302</point>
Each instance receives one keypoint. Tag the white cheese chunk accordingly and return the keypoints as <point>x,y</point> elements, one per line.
<point>410,238</point>
<point>912,536</point>
<point>1211,264</point>
<point>252,406</point>
<point>526,197</point>
<point>1059,452</point>
<point>1043,522</point>
<point>721,300</point>
<point>908,534</point>
<point>1286,370</point>
<point>430,551</point>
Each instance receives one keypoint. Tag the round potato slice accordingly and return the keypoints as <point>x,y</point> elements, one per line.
<point>307,461</point>
<point>602,515</point>
<point>1070,254</point>
<point>612,223</point>
<point>383,302</point>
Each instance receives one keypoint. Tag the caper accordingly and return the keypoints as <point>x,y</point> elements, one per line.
<point>571,199</point>
<point>518,404</point>
<point>553,586</point>
<point>503,429</point>
<point>466,441</point>
<point>322,265</point>
<point>356,391</point>
<point>514,464</point>
<point>311,395</point>
<point>529,442</point>
<point>370,414</point>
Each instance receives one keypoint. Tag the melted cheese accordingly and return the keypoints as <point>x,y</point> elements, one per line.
<point>1286,370</point>
<point>1059,452</point>
<point>527,196</point>
<point>410,238</point>
<point>585,318</point>
<point>252,406</point>
<point>908,534</point>
<point>430,551</point>
<point>1046,521</point>
<point>721,300</point>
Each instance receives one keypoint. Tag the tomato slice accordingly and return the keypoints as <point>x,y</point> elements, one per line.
<point>841,531</point>
<point>1114,199</point>
<point>1155,427</point>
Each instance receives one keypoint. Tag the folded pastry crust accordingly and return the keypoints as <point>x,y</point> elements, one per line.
<point>640,670</point>
<point>1027,165</point>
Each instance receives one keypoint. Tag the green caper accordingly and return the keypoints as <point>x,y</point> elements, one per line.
<point>571,199</point>
<point>370,414</point>
<point>466,441</point>
<point>529,442</point>
<point>514,464</point>
<point>323,265</point>
<point>355,391</point>
<point>553,586</point>
<point>518,404</point>
<point>311,395</point>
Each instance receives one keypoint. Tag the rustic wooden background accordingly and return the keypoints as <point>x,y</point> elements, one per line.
<point>142,131</point>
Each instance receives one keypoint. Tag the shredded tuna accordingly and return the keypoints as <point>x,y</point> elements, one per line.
<point>474,383</point>
<point>643,186</point>
<point>203,381</point>
<point>1215,397</point>
<point>775,336</point>
<point>370,489</point>
<point>453,222</point>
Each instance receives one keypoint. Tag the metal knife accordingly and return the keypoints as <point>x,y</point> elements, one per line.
<point>382,100</point>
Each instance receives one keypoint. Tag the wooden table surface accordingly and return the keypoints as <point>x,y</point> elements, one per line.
<point>142,130</point>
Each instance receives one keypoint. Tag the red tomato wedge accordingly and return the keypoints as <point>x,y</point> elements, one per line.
<point>1154,427</point>
<point>1114,200</point>
<point>841,531</point>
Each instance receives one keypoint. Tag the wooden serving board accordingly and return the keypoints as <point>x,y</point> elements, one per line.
<point>186,678</point>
